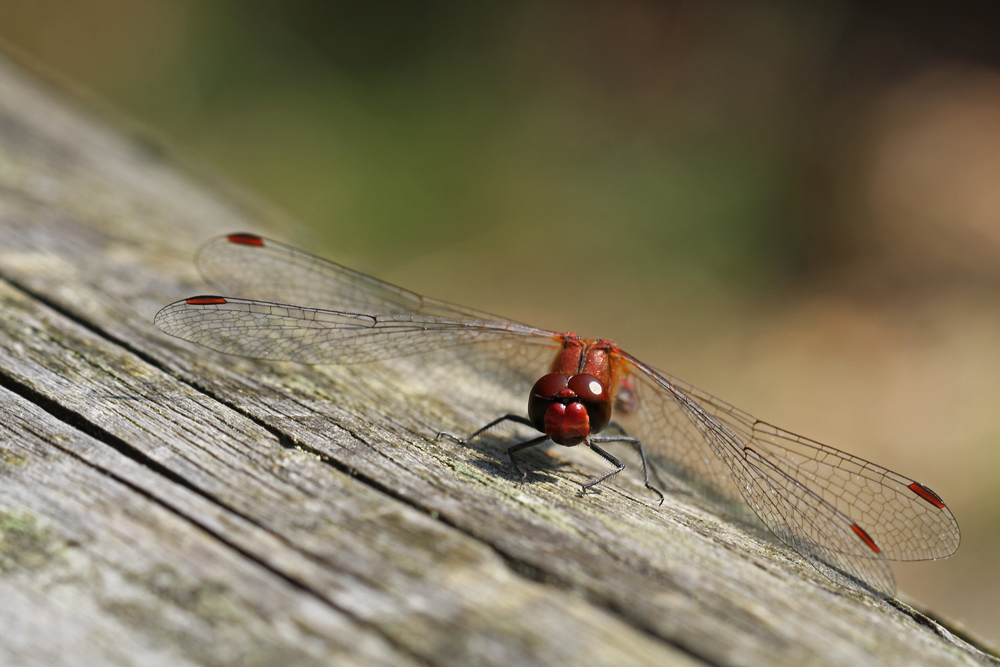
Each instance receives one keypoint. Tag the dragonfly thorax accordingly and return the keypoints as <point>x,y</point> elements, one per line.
<point>568,409</point>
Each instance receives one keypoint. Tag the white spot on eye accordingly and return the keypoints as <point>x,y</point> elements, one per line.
<point>595,387</point>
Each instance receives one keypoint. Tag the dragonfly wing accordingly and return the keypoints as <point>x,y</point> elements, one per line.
<point>693,434</point>
<point>245,265</point>
<point>281,332</point>
<point>905,519</point>
<point>672,434</point>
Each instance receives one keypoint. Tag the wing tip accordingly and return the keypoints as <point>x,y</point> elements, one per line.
<point>928,495</point>
<point>206,300</point>
<point>865,537</point>
<point>244,238</point>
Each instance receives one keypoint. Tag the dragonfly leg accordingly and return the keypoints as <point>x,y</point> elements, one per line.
<point>517,419</point>
<point>629,440</point>
<point>619,466</point>
<point>523,445</point>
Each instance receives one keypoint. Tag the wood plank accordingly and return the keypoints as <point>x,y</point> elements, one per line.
<point>96,572</point>
<point>329,481</point>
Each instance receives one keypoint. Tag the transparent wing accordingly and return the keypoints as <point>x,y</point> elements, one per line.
<point>282,332</point>
<point>248,266</point>
<point>838,510</point>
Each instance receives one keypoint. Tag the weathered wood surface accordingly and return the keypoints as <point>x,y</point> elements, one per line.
<point>162,504</point>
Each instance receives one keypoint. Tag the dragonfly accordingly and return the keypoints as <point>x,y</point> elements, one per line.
<point>845,515</point>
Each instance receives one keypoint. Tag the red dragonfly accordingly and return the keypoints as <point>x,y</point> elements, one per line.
<point>847,516</point>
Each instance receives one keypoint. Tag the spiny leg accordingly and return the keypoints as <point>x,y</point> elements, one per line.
<point>647,468</point>
<point>619,466</point>
<point>518,419</point>
<point>629,440</point>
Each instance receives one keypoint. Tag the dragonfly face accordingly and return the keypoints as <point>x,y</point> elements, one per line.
<point>569,409</point>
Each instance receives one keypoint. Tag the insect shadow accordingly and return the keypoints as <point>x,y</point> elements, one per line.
<point>488,452</point>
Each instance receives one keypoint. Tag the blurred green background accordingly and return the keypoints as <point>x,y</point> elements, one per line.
<point>793,205</point>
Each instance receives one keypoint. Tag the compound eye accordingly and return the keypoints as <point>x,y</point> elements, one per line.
<point>549,385</point>
<point>542,395</point>
<point>588,388</point>
<point>594,396</point>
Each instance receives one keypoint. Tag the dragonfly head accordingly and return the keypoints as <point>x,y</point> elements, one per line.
<point>569,409</point>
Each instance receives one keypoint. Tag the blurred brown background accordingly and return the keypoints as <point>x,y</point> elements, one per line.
<point>795,206</point>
